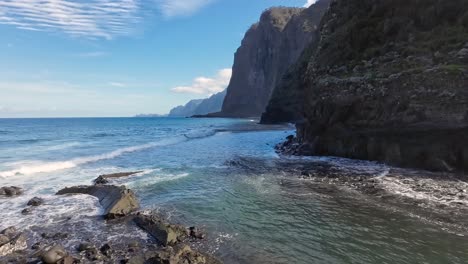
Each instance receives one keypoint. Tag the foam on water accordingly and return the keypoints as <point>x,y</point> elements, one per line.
<point>32,167</point>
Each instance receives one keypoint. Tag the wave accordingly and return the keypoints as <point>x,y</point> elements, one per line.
<point>200,134</point>
<point>33,167</point>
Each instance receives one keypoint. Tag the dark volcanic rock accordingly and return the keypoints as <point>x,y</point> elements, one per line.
<point>116,201</point>
<point>11,191</point>
<point>36,201</point>
<point>165,233</point>
<point>388,84</point>
<point>104,179</point>
<point>268,49</point>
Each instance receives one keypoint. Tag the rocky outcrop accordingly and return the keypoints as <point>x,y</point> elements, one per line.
<point>11,191</point>
<point>116,201</point>
<point>388,83</point>
<point>104,179</point>
<point>268,49</point>
<point>200,107</point>
<point>165,233</point>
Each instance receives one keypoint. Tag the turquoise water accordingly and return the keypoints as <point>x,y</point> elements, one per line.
<point>194,172</point>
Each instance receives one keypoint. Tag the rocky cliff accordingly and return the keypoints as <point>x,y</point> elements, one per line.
<point>185,110</point>
<point>268,49</point>
<point>388,82</point>
<point>286,101</point>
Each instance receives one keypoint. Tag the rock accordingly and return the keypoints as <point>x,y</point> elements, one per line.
<point>54,255</point>
<point>4,239</point>
<point>18,243</point>
<point>9,232</point>
<point>181,255</point>
<point>68,260</point>
<point>104,179</point>
<point>84,247</point>
<point>11,191</point>
<point>26,211</point>
<point>101,180</point>
<point>116,201</point>
<point>165,233</point>
<point>36,201</point>
<point>196,233</point>
<point>106,250</point>
<point>56,236</point>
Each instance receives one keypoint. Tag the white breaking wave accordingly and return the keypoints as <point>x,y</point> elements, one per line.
<point>39,166</point>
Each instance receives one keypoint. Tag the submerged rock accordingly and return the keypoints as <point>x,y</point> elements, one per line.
<point>104,178</point>
<point>165,233</point>
<point>116,201</point>
<point>36,201</point>
<point>54,255</point>
<point>11,191</point>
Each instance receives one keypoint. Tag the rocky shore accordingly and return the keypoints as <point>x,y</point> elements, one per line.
<point>440,198</point>
<point>167,242</point>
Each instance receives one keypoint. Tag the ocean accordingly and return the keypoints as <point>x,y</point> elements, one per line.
<point>218,174</point>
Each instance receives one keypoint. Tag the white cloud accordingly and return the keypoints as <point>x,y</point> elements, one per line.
<point>309,3</point>
<point>117,84</point>
<point>90,18</point>
<point>204,85</point>
<point>92,54</point>
<point>173,8</point>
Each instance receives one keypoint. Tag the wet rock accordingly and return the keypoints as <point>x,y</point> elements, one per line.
<point>68,260</point>
<point>4,239</point>
<point>36,201</point>
<point>106,250</point>
<point>56,236</point>
<point>116,201</point>
<point>26,211</point>
<point>18,243</point>
<point>38,246</point>
<point>165,233</point>
<point>9,232</point>
<point>84,247</point>
<point>196,233</point>
<point>11,191</point>
<point>104,179</point>
<point>54,255</point>
<point>181,255</point>
<point>101,180</point>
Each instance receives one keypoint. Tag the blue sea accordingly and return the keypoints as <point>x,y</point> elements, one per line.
<point>196,172</point>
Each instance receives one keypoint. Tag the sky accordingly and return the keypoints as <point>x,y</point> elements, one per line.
<point>115,58</point>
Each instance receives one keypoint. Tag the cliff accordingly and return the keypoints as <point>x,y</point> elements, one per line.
<point>286,101</point>
<point>268,49</point>
<point>200,107</point>
<point>388,82</point>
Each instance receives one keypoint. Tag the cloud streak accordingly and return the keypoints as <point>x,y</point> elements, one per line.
<point>174,8</point>
<point>91,18</point>
<point>207,86</point>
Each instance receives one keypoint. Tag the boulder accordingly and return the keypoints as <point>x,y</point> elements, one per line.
<point>116,201</point>
<point>11,191</point>
<point>36,201</point>
<point>181,255</point>
<point>165,233</point>
<point>17,243</point>
<point>26,211</point>
<point>54,254</point>
<point>10,231</point>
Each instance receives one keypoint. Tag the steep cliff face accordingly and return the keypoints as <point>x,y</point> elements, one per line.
<point>268,49</point>
<point>185,110</point>
<point>388,82</point>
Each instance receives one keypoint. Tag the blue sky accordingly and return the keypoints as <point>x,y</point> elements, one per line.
<point>70,58</point>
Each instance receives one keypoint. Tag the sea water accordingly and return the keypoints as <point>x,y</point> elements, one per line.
<point>193,172</point>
